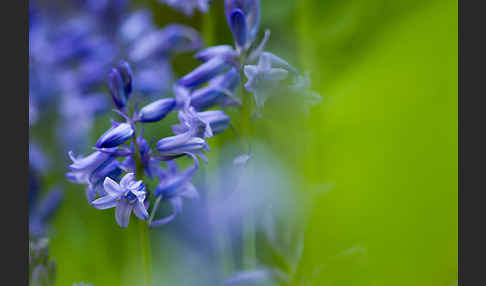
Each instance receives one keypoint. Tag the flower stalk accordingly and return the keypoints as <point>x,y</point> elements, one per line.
<point>142,225</point>
<point>249,243</point>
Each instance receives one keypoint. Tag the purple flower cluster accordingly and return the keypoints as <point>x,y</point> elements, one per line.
<point>120,150</point>
<point>71,52</point>
<point>123,148</point>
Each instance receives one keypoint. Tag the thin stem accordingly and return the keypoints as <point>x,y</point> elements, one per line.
<point>142,225</point>
<point>145,249</point>
<point>249,243</point>
<point>222,235</point>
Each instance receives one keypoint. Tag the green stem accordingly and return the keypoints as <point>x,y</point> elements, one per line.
<point>222,236</point>
<point>145,250</point>
<point>249,243</point>
<point>142,225</point>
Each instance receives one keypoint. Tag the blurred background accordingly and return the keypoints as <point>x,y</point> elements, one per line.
<point>372,170</point>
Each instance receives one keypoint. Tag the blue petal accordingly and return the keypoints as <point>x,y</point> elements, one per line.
<point>205,72</point>
<point>156,110</point>
<point>112,188</point>
<point>215,51</point>
<point>105,202</point>
<point>117,89</point>
<point>115,136</point>
<point>206,97</point>
<point>239,27</point>
<point>128,179</point>
<point>126,75</point>
<point>279,62</point>
<point>122,213</point>
<point>140,211</point>
<point>251,8</point>
<point>217,119</point>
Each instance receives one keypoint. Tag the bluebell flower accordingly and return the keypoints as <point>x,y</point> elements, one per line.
<point>188,6</point>
<point>83,168</point>
<point>205,72</point>
<point>262,78</point>
<point>203,124</point>
<point>192,123</point>
<point>220,90</point>
<point>115,136</point>
<point>225,51</point>
<point>127,196</point>
<point>173,187</point>
<point>251,11</point>
<point>239,28</point>
<point>112,170</point>
<point>307,97</point>
<point>156,110</point>
<point>181,143</point>
<point>120,82</point>
<point>150,163</point>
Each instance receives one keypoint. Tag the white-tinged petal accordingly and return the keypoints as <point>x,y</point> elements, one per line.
<point>126,180</point>
<point>112,188</point>
<point>189,191</point>
<point>122,213</point>
<point>105,202</point>
<point>250,71</point>
<point>140,211</point>
<point>277,74</point>
<point>265,62</point>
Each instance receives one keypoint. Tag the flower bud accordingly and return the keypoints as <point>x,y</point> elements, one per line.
<point>238,25</point>
<point>126,75</point>
<point>156,110</point>
<point>204,72</point>
<point>217,119</point>
<point>115,136</point>
<point>216,51</point>
<point>251,10</point>
<point>181,143</point>
<point>117,89</point>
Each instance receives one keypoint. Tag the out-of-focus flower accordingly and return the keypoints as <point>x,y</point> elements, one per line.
<point>127,196</point>
<point>262,78</point>
<point>42,211</point>
<point>42,269</point>
<point>241,160</point>
<point>202,124</point>
<point>188,6</point>
<point>173,187</point>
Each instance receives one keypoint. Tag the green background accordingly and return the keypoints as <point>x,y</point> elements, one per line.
<point>383,141</point>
